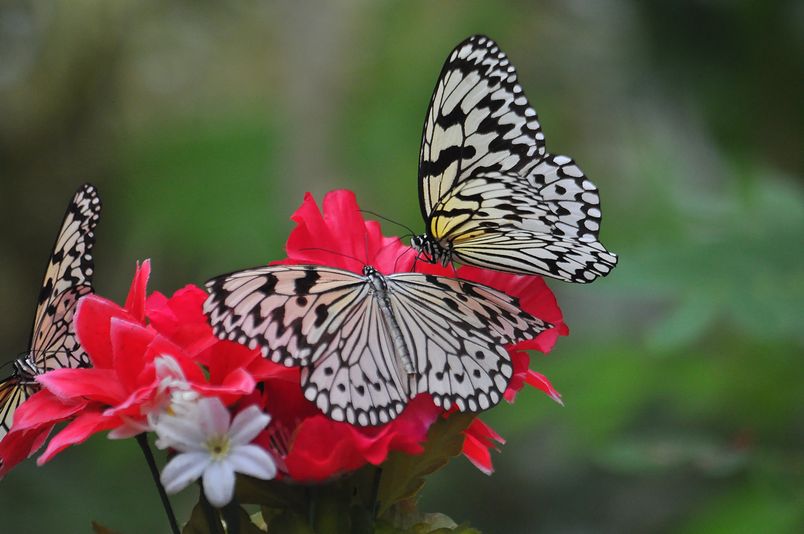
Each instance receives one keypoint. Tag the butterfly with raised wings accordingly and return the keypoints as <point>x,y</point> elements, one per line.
<point>368,343</point>
<point>490,194</point>
<point>68,277</point>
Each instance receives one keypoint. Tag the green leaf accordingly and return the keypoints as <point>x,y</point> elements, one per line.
<point>270,493</point>
<point>97,528</point>
<point>289,522</point>
<point>331,509</point>
<point>403,474</point>
<point>239,522</point>
<point>197,524</point>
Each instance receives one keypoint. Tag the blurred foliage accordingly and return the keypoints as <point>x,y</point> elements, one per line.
<point>203,123</point>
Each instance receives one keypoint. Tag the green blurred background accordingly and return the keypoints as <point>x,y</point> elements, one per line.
<point>203,123</point>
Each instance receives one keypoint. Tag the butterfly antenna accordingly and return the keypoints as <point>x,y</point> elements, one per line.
<point>336,253</point>
<point>406,227</point>
<point>365,248</point>
<point>396,261</point>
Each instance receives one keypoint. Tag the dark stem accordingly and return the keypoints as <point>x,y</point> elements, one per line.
<point>375,490</point>
<point>142,439</point>
<point>211,513</point>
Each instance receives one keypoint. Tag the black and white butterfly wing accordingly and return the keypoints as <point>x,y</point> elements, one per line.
<point>457,331</point>
<point>322,319</point>
<point>546,223</point>
<point>13,392</point>
<point>489,193</point>
<point>478,120</point>
<point>68,277</point>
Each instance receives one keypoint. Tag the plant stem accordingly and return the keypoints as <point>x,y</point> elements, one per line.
<point>142,439</point>
<point>211,513</point>
<point>375,491</point>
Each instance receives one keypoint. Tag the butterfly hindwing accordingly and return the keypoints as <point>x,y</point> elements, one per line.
<point>351,335</point>
<point>457,330</point>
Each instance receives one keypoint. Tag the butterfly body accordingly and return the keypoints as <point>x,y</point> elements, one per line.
<point>68,277</point>
<point>380,290</point>
<point>490,194</point>
<point>367,343</point>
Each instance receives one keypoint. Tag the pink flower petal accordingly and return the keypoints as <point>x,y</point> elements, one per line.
<point>78,431</point>
<point>44,408</point>
<point>96,384</point>
<point>135,302</point>
<point>92,318</point>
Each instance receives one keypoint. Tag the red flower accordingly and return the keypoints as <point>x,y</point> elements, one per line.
<point>318,448</point>
<point>133,366</point>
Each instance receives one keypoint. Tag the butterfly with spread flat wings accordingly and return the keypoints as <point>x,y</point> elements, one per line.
<point>490,194</point>
<point>68,278</point>
<point>368,343</point>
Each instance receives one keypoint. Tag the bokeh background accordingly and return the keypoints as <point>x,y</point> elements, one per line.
<point>203,123</point>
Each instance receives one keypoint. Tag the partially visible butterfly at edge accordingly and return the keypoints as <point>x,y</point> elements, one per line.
<point>368,343</point>
<point>490,194</point>
<point>68,277</point>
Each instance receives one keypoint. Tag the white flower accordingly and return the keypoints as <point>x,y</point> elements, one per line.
<point>172,394</point>
<point>210,447</point>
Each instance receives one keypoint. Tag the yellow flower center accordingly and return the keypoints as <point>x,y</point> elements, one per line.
<point>218,447</point>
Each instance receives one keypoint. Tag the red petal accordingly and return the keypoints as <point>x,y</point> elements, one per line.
<point>236,384</point>
<point>44,408</point>
<point>130,342</point>
<point>321,449</point>
<point>135,302</point>
<point>181,318</point>
<point>478,454</point>
<point>78,431</point>
<point>16,446</point>
<point>92,320</point>
<point>96,384</point>
<point>540,381</point>
<point>479,439</point>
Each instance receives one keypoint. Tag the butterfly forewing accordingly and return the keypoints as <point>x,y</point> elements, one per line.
<point>478,120</point>
<point>68,277</point>
<point>352,346</point>
<point>71,264</point>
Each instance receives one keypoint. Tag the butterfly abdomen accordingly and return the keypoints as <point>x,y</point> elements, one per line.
<point>380,291</point>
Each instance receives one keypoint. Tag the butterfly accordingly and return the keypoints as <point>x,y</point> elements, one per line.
<point>490,194</point>
<point>368,343</point>
<point>68,277</point>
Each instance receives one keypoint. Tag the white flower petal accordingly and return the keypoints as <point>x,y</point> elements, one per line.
<point>219,481</point>
<point>167,367</point>
<point>183,469</point>
<point>129,428</point>
<point>253,461</point>
<point>247,424</point>
<point>213,416</point>
<point>183,433</point>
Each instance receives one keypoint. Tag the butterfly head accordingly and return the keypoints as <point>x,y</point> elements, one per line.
<point>25,368</point>
<point>430,250</point>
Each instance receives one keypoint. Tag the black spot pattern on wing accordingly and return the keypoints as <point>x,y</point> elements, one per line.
<point>487,186</point>
<point>68,277</point>
<point>477,101</point>
<point>351,335</point>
